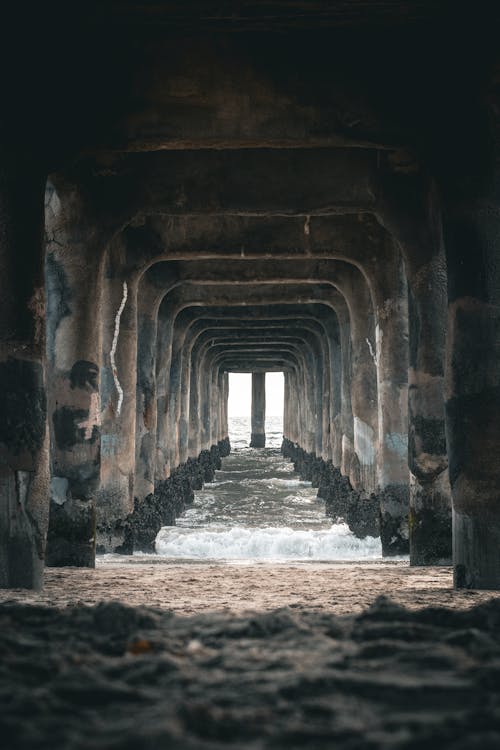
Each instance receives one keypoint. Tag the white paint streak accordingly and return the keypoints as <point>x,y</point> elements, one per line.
<point>372,353</point>
<point>113,348</point>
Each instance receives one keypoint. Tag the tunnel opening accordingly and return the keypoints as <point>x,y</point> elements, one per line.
<point>257,508</point>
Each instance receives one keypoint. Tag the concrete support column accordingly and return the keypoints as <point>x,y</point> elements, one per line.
<point>214,403</point>
<point>430,492</point>
<point>296,406</point>
<point>163,359</point>
<point>225,417</point>
<point>335,416</point>
<point>346,432</point>
<point>74,280</point>
<point>410,210</point>
<point>146,406</point>
<point>184,403</point>
<point>287,430</point>
<point>258,437</point>
<point>363,466</point>
<point>205,405</point>
<point>174,404</point>
<point>194,405</point>
<point>24,463</point>
<point>118,405</point>
<point>221,434</point>
<point>318,396</point>
<point>325,407</point>
<point>392,384</point>
<point>306,400</point>
<point>471,235</point>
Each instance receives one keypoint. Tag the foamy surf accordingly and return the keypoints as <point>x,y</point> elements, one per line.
<point>271,543</point>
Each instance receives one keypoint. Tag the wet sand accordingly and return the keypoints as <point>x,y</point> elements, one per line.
<point>188,588</point>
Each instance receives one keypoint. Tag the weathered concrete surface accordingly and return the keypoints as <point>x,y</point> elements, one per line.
<point>473,386</point>
<point>74,280</point>
<point>24,468</point>
<point>409,207</point>
<point>115,498</point>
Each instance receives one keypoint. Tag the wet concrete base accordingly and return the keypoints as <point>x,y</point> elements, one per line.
<point>137,533</point>
<point>476,553</point>
<point>342,502</point>
<point>384,514</point>
<point>361,513</point>
<point>115,677</point>
<point>257,440</point>
<point>394,520</point>
<point>72,533</point>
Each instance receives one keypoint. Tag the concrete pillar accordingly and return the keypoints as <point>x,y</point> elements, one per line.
<point>173,404</point>
<point>295,410</point>
<point>214,403</point>
<point>226,406</point>
<point>287,421</point>
<point>205,404</point>
<point>471,235</point>
<point>335,417</point>
<point>392,384</point>
<point>115,499</point>
<point>318,396</point>
<point>430,492</point>
<point>410,210</point>
<point>346,421</point>
<point>258,437</point>
<point>74,279</point>
<point>363,464</point>
<point>220,399</point>
<point>146,404</point>
<point>288,430</point>
<point>24,467</point>
<point>194,404</point>
<point>163,358</point>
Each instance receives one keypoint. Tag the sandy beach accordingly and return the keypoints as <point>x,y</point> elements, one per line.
<point>295,673</point>
<point>188,588</point>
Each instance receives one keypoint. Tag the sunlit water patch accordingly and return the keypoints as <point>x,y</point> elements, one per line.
<point>258,509</point>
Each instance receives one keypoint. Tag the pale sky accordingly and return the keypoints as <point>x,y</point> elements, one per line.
<point>240,394</point>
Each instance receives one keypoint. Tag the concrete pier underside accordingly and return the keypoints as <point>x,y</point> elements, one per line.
<point>208,201</point>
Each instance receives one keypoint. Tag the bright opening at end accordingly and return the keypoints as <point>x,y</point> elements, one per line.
<point>240,394</point>
<point>240,409</point>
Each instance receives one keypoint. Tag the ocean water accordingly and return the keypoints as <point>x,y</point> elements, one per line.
<point>258,509</point>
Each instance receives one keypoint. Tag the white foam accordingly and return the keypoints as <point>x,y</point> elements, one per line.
<point>239,543</point>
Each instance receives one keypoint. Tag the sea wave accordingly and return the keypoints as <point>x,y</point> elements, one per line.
<point>271,543</point>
